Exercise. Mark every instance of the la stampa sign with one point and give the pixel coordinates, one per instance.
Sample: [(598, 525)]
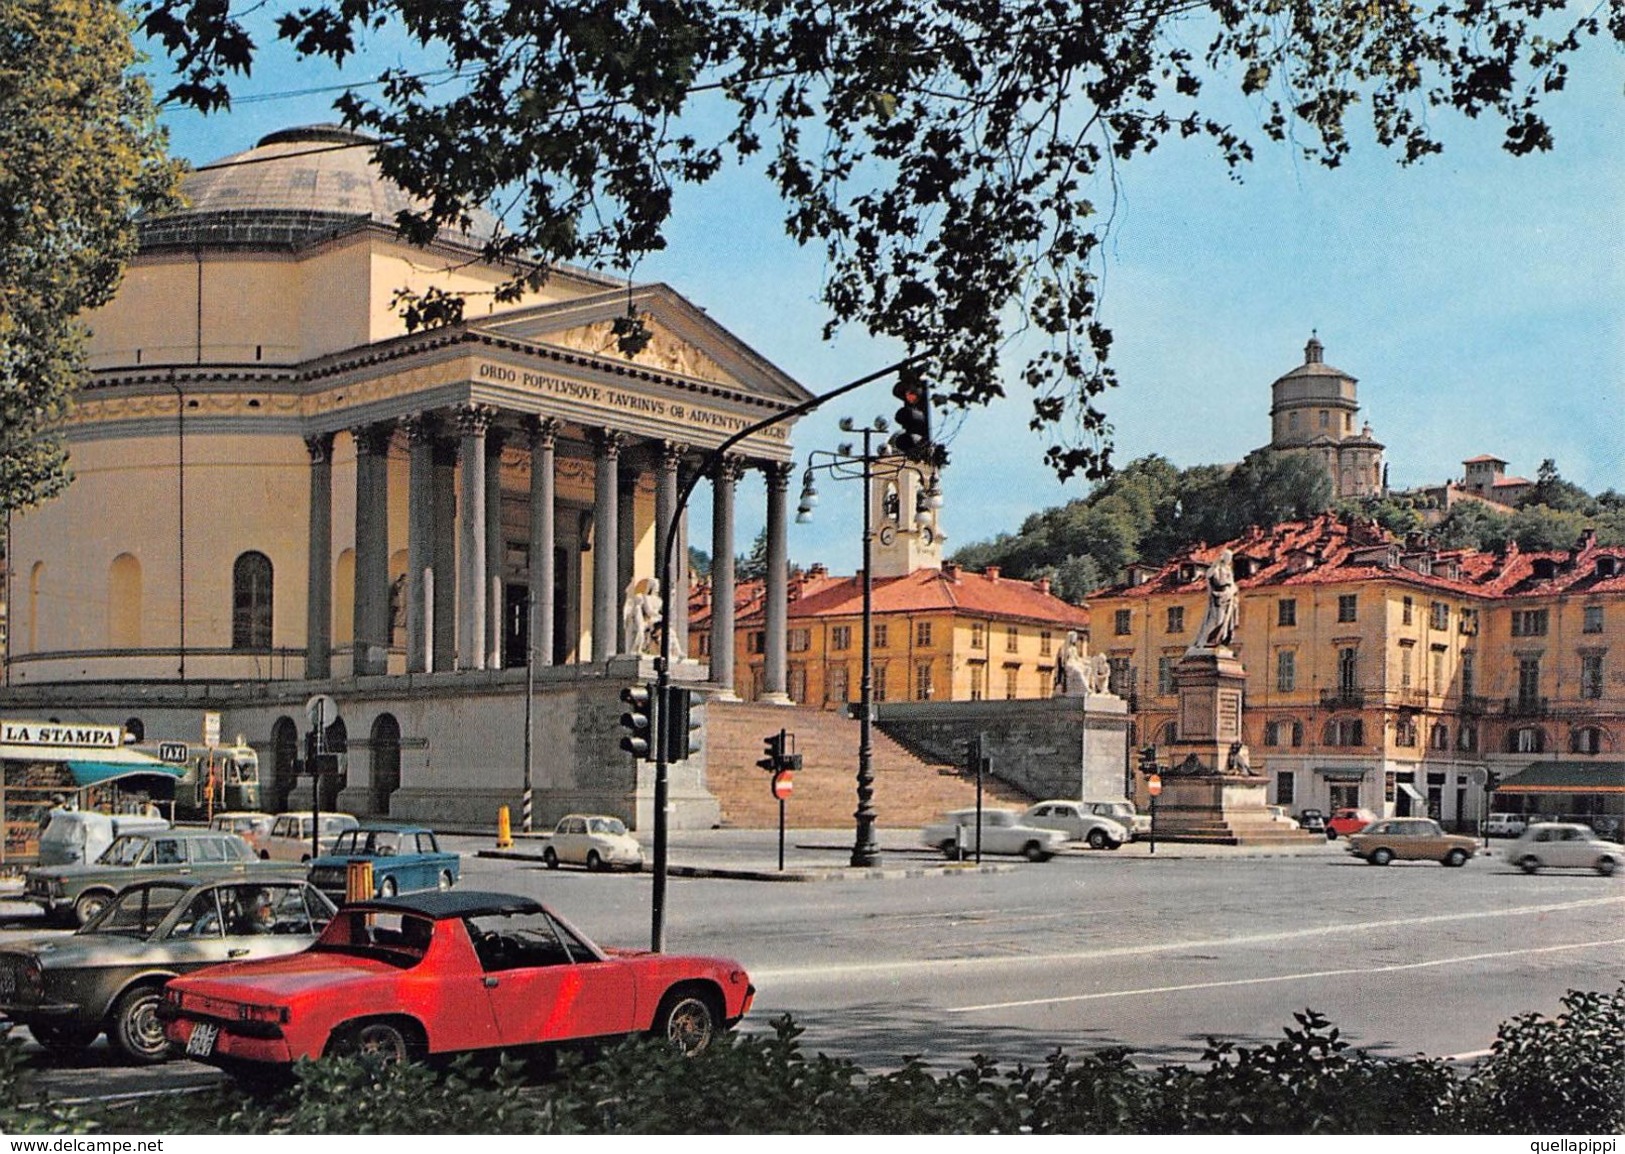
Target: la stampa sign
[(54, 735)]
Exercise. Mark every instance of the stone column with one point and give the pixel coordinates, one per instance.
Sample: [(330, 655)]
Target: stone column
[(319, 579), (776, 604), (723, 480), (372, 617), (420, 534), (677, 596), (472, 422), (544, 436), (626, 522), (493, 549), (444, 552), (606, 537), (671, 591)]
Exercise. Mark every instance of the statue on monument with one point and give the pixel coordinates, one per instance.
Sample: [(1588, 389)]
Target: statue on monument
[(1100, 674), (1219, 622), (640, 614), (1072, 673), (1240, 761)]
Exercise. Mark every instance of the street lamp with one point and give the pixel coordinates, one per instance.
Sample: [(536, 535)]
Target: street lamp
[(845, 464)]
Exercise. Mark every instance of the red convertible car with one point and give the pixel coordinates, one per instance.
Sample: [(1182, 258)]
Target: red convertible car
[(443, 972)]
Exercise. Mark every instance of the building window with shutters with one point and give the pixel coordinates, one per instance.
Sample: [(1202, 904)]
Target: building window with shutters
[(978, 635), (1439, 736), (1123, 622), (922, 681), (1405, 607), (1284, 782), (878, 681), (1405, 730), (1407, 655), (799, 641), (880, 635), (1528, 683), (1176, 619), (978, 681), (1591, 676), (1286, 671), (1529, 622), (1286, 611), (1012, 674), (1165, 676), (1592, 620), (1348, 605), (1122, 676), (840, 637), (922, 633), (1347, 669), (1046, 643), (1012, 639), (1440, 618)]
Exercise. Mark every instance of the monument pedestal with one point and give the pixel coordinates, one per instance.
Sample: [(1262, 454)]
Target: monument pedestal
[(1209, 792)]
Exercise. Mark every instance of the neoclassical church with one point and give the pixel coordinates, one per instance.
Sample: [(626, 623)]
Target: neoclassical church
[(279, 492), (1312, 410)]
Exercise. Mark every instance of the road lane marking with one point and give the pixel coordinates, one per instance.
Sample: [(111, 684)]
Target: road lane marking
[(1312, 974), (844, 972)]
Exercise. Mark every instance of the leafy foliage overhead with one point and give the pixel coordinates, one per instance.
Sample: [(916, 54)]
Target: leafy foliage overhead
[(79, 154), (942, 153)]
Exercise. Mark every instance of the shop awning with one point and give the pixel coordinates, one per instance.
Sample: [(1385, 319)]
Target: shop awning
[(96, 772), (94, 766), (1412, 792), (1567, 777), (1342, 775)]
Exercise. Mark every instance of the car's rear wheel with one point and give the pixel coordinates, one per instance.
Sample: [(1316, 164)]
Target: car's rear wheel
[(89, 904), (446, 881), (1606, 866), (1331, 834), (594, 862), (1529, 864), (550, 858), (1381, 856), (134, 1028), (1032, 851), (383, 1042), (1456, 857), (65, 1038), (690, 1020), (387, 888), (949, 848), (1097, 839)]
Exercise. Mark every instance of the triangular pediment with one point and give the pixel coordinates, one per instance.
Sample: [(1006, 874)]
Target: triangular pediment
[(684, 341)]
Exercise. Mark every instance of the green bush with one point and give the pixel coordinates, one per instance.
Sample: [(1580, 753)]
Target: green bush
[(1559, 1075)]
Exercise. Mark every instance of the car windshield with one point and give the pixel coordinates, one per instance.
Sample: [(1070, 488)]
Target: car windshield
[(127, 850), (511, 941), (136, 912), (609, 825), (378, 843), (398, 938)]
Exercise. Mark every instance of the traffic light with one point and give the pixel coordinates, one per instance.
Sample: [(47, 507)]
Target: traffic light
[(680, 725), (1148, 760), (1492, 781), (638, 721), (913, 436), (772, 758)]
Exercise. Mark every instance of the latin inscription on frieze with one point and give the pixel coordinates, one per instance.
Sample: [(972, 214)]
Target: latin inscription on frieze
[(1229, 715)]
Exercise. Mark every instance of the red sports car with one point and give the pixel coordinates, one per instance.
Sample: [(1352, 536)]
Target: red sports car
[(443, 972)]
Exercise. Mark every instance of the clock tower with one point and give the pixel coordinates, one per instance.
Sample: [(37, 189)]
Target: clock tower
[(905, 502)]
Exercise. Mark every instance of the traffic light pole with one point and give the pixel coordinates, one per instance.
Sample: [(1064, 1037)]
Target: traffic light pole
[(663, 661)]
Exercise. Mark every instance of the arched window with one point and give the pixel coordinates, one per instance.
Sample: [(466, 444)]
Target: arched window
[(386, 761), (1586, 739), (251, 602), (124, 603)]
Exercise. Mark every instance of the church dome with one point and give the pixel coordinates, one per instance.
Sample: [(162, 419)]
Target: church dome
[(297, 186)]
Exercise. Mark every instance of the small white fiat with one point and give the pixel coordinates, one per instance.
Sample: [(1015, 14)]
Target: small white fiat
[(595, 841)]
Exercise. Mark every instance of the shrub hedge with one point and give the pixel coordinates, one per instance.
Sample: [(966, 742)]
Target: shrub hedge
[(1562, 1075)]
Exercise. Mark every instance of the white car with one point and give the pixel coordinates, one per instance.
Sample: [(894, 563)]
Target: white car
[(1504, 825), (1074, 819), (1278, 813), (1563, 845), (1003, 831), (289, 839), (1124, 814), (593, 840)]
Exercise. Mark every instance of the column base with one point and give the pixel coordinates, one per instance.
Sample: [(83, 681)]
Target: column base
[(774, 699)]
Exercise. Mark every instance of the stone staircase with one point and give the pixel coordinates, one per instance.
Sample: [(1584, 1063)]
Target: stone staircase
[(908, 791)]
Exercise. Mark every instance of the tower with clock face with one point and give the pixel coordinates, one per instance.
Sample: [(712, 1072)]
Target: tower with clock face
[(906, 506)]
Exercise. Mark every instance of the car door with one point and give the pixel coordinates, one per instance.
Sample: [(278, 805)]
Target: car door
[(571, 840), (545, 985), (1565, 848)]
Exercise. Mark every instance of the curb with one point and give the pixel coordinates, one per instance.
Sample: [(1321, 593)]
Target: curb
[(799, 873)]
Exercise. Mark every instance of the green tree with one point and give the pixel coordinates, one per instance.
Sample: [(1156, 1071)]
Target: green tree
[(1552, 491), (943, 155), (1473, 525), (80, 154), (1398, 515)]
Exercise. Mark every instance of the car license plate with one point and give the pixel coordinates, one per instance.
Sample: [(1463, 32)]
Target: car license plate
[(201, 1043)]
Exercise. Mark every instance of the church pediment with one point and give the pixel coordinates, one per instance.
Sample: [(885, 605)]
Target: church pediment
[(683, 340)]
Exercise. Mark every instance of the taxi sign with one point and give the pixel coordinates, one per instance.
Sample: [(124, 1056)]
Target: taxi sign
[(783, 785), (1153, 784)]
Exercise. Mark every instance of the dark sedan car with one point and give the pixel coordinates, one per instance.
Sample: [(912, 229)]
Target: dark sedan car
[(108, 976)]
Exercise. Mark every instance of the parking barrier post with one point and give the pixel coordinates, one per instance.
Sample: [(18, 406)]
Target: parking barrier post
[(358, 881), (504, 829)]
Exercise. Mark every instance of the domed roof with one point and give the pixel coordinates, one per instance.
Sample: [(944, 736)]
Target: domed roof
[(294, 187), (1314, 365)]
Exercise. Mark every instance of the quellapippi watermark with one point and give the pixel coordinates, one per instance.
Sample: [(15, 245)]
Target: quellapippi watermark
[(1575, 1146)]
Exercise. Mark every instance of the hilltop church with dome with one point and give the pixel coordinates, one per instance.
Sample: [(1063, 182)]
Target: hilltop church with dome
[(279, 492)]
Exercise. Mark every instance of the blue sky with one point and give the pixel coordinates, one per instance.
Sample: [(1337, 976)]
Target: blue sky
[(1479, 299)]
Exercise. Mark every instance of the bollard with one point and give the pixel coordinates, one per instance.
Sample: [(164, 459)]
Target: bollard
[(504, 829), (358, 881)]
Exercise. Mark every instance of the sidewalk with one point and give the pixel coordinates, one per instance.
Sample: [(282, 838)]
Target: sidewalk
[(825, 855)]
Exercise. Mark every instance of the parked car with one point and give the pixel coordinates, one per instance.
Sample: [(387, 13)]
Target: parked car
[(1003, 831), (1505, 825), (80, 835), (250, 825), (1124, 814), (1078, 822), (1279, 814), (404, 858), (84, 888), (1312, 820), (593, 840), (1563, 845), (108, 975), (1410, 839), (1348, 820), (439, 973), (289, 839)]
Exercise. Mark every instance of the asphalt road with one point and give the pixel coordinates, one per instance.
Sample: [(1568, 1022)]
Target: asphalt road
[(1091, 950)]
